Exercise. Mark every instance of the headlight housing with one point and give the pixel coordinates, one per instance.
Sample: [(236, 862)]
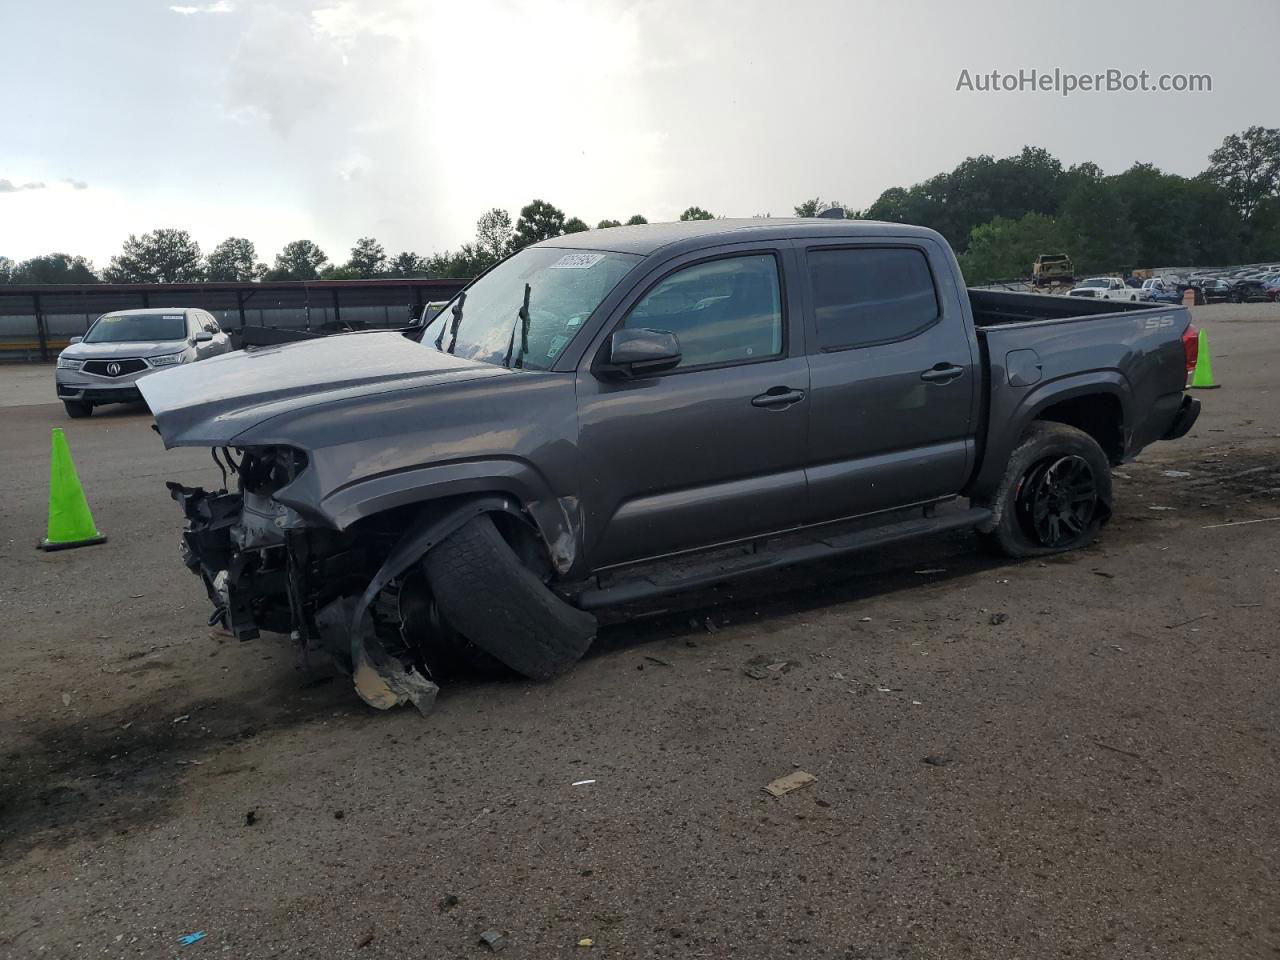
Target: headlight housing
[(66, 363), (168, 359)]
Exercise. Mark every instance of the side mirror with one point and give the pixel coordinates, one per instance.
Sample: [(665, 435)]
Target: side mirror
[(75, 339), (642, 351), (204, 336)]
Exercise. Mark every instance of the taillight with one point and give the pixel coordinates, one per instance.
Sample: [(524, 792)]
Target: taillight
[(1191, 348)]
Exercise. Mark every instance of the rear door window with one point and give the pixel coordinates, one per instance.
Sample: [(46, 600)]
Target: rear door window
[(868, 295)]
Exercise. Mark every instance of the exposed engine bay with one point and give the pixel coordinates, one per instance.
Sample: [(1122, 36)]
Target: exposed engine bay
[(265, 567), (397, 599)]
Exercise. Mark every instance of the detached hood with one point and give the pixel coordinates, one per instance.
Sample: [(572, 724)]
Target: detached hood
[(211, 402)]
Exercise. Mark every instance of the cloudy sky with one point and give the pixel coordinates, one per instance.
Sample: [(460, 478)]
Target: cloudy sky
[(334, 119)]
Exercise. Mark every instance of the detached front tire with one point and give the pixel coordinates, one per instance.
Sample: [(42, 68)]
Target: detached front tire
[(494, 600), (77, 409), (1055, 494)]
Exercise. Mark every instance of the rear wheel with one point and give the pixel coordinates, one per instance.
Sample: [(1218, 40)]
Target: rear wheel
[(1055, 494), (78, 409)]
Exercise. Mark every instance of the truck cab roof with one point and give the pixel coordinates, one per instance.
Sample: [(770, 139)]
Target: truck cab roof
[(648, 238)]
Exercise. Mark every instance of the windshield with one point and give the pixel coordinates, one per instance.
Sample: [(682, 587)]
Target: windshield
[(131, 327), (564, 287), (1096, 283)]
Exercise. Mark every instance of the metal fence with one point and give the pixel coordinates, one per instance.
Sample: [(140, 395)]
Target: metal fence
[(38, 321)]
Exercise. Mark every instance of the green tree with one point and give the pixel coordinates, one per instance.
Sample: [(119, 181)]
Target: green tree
[(696, 213), (538, 221), (51, 268), (161, 256), (493, 234), (299, 260), (1005, 249), (1247, 166), (811, 208), (575, 225), (1097, 231), (368, 259), (606, 224), (6, 270), (407, 264), (636, 220), (236, 260)]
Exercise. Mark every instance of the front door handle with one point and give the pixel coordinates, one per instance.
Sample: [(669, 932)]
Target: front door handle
[(778, 397), (942, 373)]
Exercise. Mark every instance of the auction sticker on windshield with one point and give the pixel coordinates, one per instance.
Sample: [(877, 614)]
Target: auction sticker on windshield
[(577, 261)]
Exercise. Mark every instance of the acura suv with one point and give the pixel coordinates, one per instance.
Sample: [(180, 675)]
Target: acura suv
[(105, 364)]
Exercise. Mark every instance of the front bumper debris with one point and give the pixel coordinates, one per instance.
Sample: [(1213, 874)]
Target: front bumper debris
[(264, 568)]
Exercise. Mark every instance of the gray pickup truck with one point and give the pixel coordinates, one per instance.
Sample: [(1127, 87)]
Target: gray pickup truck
[(621, 413)]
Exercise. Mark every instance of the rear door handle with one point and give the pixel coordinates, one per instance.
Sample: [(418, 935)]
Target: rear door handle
[(942, 373), (778, 397)]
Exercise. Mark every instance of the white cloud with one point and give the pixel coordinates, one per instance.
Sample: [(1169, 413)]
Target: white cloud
[(221, 6), (8, 186)]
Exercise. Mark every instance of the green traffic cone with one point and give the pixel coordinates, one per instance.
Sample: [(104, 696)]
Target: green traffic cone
[(70, 522), (1202, 378)]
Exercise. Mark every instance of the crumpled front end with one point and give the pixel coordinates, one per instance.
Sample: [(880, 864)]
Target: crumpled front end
[(266, 567)]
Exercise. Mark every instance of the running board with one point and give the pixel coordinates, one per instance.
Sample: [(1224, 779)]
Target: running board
[(790, 551)]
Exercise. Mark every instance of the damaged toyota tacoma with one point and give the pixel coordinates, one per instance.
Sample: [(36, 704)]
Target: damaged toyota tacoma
[(622, 413)]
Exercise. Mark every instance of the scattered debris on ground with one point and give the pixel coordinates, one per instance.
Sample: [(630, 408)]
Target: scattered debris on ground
[(766, 666), (495, 940), (791, 782)]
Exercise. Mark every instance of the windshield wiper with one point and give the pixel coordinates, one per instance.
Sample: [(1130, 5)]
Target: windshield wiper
[(453, 328), (522, 315)]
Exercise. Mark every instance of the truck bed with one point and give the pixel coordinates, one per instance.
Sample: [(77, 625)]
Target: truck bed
[(1033, 344), (992, 308)]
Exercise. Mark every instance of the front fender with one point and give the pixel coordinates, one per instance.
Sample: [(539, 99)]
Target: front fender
[(558, 519)]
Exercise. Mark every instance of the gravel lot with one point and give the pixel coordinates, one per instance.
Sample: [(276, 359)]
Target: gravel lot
[(1075, 758)]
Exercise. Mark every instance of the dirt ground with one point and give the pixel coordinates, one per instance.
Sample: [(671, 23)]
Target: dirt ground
[(1075, 758)]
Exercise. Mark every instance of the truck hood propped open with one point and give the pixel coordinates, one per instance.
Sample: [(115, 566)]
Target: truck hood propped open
[(212, 402)]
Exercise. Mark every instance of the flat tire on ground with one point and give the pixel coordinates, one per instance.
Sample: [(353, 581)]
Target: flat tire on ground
[(1055, 494), (489, 596)]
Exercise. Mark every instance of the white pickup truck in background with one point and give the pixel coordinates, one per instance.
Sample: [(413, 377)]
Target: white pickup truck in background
[(1107, 288)]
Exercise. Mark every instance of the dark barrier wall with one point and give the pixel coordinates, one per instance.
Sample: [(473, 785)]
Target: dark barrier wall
[(37, 321)]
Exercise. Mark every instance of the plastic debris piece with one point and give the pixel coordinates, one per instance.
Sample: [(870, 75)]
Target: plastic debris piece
[(383, 681), (495, 940), (582, 783), (586, 942), (191, 938), (792, 781)]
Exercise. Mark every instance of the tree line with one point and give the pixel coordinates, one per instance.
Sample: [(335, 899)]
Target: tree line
[(169, 255), (999, 215)]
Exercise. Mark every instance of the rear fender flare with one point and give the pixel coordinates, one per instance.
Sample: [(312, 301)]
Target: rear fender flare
[(1036, 400)]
